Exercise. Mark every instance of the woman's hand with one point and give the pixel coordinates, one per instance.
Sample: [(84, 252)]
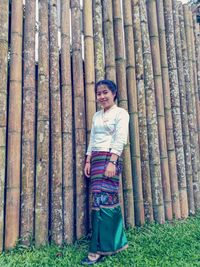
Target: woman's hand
[(110, 170), (87, 169)]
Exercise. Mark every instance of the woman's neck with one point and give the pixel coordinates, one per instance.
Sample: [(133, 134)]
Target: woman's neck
[(108, 108)]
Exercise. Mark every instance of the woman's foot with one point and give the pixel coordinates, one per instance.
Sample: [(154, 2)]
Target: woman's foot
[(92, 258)]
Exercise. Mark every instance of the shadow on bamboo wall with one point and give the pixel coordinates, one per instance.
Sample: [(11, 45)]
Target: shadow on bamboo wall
[(151, 49)]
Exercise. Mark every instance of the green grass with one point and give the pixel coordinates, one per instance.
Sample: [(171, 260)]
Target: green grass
[(173, 244)]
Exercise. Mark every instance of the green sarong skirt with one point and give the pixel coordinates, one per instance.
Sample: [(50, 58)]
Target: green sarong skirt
[(108, 236)]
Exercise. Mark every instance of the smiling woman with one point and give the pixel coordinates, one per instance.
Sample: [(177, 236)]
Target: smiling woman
[(104, 165)]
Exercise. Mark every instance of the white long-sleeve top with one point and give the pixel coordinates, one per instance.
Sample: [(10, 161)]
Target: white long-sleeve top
[(109, 131)]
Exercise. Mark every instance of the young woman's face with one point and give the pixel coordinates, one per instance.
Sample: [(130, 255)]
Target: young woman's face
[(105, 96)]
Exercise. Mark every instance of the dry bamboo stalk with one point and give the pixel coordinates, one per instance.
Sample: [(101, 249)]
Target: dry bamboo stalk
[(89, 65), (55, 126), (175, 103), (109, 45), (109, 51), (147, 195), (89, 70), (123, 102), (196, 96), (14, 128), (133, 111), (28, 126), (194, 64), (197, 50), (155, 51), (79, 118), (4, 14), (197, 54), (184, 116), (67, 136), (192, 107), (154, 151), (168, 112), (98, 40), (43, 135)]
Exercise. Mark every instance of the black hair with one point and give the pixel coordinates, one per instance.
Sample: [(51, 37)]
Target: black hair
[(110, 84)]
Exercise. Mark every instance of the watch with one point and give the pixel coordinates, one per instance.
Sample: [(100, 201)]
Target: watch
[(114, 162)]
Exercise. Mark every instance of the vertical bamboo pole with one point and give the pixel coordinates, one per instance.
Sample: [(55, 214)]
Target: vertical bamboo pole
[(109, 45), (141, 103), (133, 111), (67, 135), (154, 151), (183, 106), (89, 64), (43, 128), (193, 116), (4, 15), (168, 111), (79, 118), (194, 64), (55, 126), (98, 40), (197, 50), (28, 126), (175, 103), (123, 102), (109, 54), (89, 69), (14, 128), (155, 51)]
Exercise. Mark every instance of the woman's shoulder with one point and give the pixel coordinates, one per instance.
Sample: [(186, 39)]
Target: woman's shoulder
[(122, 112)]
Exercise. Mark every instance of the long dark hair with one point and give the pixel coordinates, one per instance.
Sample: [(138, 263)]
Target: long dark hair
[(110, 84)]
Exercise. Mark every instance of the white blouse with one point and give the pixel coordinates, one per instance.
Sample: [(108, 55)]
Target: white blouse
[(109, 130)]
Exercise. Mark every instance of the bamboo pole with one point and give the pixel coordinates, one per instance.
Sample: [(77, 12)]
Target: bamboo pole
[(196, 96), (133, 111), (4, 25), (168, 112), (156, 61), (109, 44), (154, 151), (141, 103), (123, 102), (194, 64), (197, 50), (98, 40), (43, 131), (90, 70), (183, 106), (79, 118), (197, 55), (67, 135), (109, 56), (55, 127), (14, 128), (192, 106), (175, 103), (89, 65), (28, 126)]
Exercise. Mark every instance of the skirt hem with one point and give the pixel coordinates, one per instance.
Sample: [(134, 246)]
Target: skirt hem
[(113, 252)]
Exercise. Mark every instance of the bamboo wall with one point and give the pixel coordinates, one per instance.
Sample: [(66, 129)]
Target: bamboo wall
[(152, 50)]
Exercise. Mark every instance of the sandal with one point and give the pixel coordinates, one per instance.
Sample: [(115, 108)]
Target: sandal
[(87, 261)]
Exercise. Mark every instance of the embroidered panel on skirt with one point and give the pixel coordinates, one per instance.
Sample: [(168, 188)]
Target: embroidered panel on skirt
[(105, 190)]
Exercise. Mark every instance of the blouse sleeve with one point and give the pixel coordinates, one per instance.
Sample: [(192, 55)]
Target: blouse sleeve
[(121, 133), (91, 142)]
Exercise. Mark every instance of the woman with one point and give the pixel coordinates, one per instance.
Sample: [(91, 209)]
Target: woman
[(103, 164)]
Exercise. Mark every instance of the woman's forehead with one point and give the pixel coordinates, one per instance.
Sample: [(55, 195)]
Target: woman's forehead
[(102, 87)]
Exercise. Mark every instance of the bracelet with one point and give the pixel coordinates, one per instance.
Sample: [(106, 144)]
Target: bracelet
[(87, 162), (114, 162)]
